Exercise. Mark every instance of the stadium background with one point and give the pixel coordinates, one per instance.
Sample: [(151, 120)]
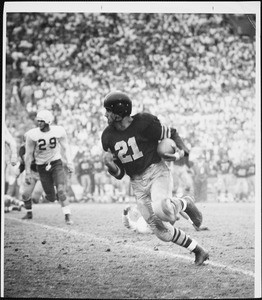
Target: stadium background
[(195, 71)]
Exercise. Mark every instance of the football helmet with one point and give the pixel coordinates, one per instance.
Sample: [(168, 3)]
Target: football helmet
[(119, 103), (44, 115)]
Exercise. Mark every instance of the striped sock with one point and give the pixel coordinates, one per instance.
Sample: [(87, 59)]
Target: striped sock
[(182, 239), (28, 204)]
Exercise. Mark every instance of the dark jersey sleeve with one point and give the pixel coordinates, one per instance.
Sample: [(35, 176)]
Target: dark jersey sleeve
[(158, 131), (179, 142), (151, 126)]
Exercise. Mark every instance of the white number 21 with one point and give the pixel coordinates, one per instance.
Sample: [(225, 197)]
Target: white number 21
[(122, 146)]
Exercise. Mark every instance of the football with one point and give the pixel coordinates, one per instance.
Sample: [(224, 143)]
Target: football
[(166, 146)]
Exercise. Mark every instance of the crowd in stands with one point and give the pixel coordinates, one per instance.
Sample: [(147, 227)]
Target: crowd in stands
[(192, 70)]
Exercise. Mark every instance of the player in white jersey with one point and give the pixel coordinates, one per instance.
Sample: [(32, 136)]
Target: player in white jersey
[(45, 144)]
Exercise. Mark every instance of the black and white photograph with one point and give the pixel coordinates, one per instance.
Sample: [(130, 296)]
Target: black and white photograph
[(131, 150)]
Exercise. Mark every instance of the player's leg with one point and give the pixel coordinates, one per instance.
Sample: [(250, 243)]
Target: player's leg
[(83, 180), (132, 219), (47, 183), (12, 203), (167, 233), (26, 192), (165, 206), (151, 206), (59, 179), (37, 192)]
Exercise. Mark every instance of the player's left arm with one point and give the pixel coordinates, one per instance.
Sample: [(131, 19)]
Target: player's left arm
[(181, 151), (66, 153), (112, 163), (159, 131)]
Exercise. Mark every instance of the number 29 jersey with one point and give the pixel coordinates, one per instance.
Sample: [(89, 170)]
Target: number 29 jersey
[(135, 147), (47, 146)]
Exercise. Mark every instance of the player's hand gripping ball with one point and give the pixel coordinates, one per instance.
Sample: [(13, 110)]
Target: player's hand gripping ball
[(168, 150)]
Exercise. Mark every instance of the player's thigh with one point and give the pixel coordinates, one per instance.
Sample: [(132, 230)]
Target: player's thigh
[(141, 191), (58, 174), (161, 193), (47, 183), (161, 187)]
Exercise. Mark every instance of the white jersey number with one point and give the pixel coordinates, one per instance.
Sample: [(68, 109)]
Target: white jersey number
[(42, 144), (122, 146)]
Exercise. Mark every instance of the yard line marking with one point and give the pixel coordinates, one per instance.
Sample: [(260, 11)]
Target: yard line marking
[(138, 248)]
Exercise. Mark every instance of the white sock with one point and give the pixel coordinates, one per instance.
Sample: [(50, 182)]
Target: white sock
[(192, 245), (184, 204), (66, 209)]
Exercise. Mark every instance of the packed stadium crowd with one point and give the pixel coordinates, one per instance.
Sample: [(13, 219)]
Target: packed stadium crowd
[(191, 70)]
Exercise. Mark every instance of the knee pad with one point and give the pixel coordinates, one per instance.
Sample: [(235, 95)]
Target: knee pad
[(167, 211), (35, 200), (26, 197), (61, 195), (28, 204)]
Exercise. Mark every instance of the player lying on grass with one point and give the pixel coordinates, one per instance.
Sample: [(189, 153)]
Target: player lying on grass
[(130, 144), (12, 203), (133, 220)]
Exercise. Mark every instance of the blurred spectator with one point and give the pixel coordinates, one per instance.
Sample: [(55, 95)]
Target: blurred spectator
[(85, 172), (224, 178)]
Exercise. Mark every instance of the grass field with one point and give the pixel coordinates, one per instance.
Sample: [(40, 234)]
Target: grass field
[(99, 258)]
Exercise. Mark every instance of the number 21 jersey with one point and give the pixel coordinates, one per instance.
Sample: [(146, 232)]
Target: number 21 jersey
[(136, 146)]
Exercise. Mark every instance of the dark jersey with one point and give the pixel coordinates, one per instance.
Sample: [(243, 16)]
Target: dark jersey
[(99, 165), (22, 164), (85, 167), (251, 169), (135, 148), (240, 170), (224, 166)]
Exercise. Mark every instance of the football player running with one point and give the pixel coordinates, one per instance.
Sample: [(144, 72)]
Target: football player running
[(45, 144), (33, 190), (130, 145)]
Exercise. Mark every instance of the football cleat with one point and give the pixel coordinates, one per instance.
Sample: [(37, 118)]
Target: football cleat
[(194, 214), (126, 210), (68, 220), (28, 216), (200, 255)]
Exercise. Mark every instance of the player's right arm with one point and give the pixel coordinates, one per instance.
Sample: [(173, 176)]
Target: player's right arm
[(113, 164), (113, 167), (29, 157)]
